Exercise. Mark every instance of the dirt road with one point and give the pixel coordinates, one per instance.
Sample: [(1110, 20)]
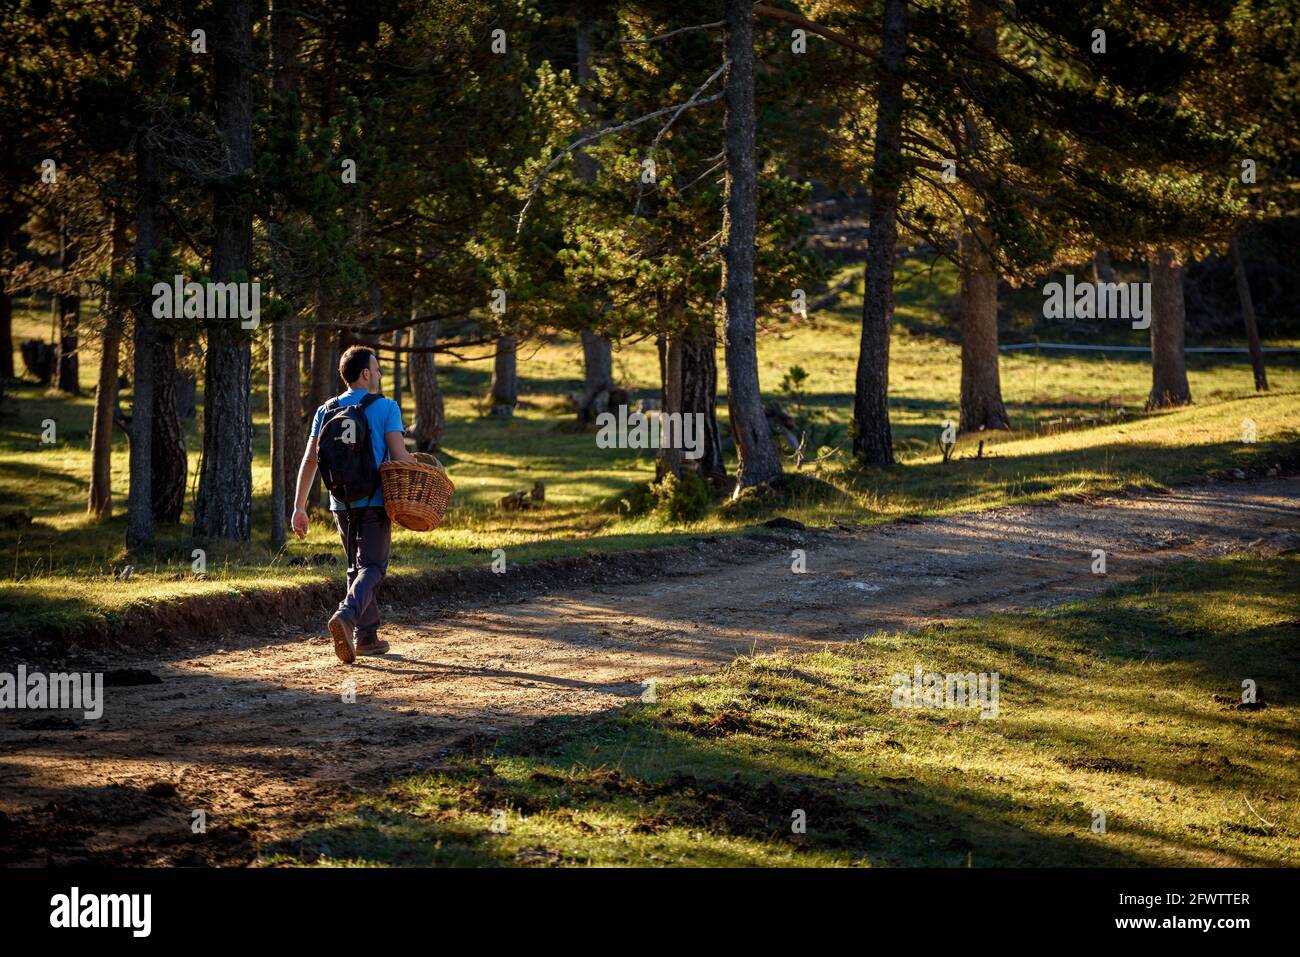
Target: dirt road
[(256, 735)]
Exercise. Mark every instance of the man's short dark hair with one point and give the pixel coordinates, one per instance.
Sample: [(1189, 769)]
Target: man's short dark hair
[(353, 361)]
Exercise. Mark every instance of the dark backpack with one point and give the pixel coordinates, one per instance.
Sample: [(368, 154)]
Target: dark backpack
[(343, 451)]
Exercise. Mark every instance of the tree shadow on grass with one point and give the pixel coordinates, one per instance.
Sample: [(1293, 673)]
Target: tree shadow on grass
[(33, 474), (670, 786), (965, 477)]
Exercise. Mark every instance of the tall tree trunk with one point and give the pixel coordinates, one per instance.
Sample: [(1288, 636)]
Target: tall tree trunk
[(1248, 316), (305, 367), (700, 394), (981, 386), (69, 380), (283, 386), (873, 441), (187, 385), (6, 331), (430, 415), (224, 505), (322, 369), (1102, 271), (392, 373), (295, 427), (99, 503), (376, 317), (67, 308), (672, 309), (598, 375), (278, 402), (597, 351), (321, 385), (151, 56), (396, 391), (505, 378), (759, 462), (1168, 323), (6, 307), (170, 464)]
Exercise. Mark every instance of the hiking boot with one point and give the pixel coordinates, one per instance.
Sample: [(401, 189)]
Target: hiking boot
[(372, 645), (345, 645)]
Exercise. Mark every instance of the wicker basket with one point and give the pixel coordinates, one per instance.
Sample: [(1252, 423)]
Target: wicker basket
[(416, 496)]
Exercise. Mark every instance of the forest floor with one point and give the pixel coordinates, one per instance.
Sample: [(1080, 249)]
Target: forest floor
[(259, 736)]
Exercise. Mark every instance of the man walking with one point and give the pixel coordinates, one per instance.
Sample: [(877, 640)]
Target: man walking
[(351, 435)]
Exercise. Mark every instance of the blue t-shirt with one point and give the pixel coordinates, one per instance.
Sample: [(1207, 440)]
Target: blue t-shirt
[(383, 416)]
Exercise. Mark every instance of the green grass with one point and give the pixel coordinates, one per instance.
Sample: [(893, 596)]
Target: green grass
[(1124, 705), (61, 569)]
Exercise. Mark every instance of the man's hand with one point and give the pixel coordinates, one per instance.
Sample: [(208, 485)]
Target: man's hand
[(300, 522)]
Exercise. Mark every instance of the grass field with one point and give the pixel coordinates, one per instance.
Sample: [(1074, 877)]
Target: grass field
[(1078, 428), (1127, 705)]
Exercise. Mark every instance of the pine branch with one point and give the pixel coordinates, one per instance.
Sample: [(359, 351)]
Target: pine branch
[(763, 10), (673, 33), (541, 177), (640, 186)]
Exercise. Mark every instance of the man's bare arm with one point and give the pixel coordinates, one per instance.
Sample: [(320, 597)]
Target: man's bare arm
[(306, 476), (396, 442)]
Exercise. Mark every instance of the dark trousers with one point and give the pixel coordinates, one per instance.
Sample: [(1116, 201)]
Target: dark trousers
[(367, 534)]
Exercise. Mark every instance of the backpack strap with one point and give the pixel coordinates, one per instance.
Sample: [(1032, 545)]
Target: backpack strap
[(364, 404), (328, 408)]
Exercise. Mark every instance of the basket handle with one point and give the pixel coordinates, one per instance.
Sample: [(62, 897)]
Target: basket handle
[(424, 458)]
